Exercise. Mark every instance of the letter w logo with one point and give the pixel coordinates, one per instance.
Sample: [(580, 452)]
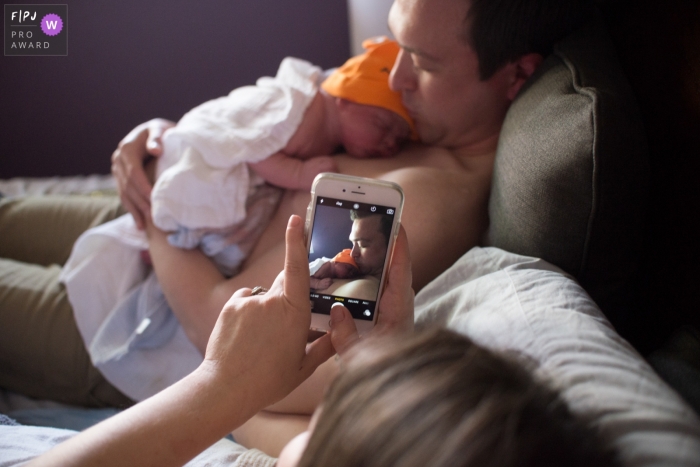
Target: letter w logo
[(51, 24)]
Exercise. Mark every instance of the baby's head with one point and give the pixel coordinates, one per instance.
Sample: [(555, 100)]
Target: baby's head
[(344, 266), (373, 120)]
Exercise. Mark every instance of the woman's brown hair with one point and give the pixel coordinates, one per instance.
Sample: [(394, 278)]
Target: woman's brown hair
[(437, 399)]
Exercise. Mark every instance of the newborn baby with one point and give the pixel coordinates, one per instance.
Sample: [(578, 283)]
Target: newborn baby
[(324, 270)]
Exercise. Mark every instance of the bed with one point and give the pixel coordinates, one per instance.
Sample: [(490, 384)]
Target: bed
[(568, 199)]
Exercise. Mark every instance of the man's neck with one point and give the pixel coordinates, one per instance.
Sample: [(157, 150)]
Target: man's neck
[(479, 151)]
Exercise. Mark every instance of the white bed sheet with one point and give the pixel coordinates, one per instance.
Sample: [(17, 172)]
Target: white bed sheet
[(509, 302)]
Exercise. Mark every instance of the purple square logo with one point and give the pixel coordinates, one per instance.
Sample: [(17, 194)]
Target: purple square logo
[(36, 30)]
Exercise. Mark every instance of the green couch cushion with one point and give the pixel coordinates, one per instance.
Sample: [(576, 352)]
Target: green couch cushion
[(571, 170)]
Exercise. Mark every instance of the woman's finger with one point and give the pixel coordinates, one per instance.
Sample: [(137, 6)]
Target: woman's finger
[(343, 330), (396, 302), (317, 352), (296, 264)]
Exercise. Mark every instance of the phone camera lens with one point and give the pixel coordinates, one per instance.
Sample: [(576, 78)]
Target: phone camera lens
[(343, 190)]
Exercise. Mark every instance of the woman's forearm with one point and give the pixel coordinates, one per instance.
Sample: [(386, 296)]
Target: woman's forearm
[(168, 429)]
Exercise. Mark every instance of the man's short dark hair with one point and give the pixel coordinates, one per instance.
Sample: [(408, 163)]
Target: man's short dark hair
[(504, 30), (385, 221)]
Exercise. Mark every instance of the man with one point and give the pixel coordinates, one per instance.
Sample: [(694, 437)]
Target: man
[(370, 238)]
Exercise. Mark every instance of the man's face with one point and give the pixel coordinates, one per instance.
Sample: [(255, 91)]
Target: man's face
[(437, 73), (368, 245)]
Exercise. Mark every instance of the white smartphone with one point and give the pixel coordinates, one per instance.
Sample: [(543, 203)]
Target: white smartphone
[(351, 228)]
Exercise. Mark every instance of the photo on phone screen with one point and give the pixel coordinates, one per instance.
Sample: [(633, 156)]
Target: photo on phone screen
[(348, 249)]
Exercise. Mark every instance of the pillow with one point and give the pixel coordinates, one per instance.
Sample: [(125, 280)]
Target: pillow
[(513, 303), (571, 170)]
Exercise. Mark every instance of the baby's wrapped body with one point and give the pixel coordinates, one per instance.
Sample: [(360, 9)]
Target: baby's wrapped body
[(205, 193)]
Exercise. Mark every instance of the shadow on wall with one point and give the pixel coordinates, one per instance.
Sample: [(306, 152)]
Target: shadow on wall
[(130, 61)]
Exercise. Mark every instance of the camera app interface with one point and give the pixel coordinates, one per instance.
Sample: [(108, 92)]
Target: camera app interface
[(349, 242)]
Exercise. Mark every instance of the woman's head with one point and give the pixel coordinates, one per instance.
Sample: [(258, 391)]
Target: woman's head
[(438, 399)]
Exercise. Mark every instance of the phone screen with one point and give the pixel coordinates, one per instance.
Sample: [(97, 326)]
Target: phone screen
[(347, 253)]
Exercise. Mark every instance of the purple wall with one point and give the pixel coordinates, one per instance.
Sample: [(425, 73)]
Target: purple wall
[(130, 61)]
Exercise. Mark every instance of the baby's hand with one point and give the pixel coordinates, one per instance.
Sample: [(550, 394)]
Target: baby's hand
[(312, 167), (288, 172), (321, 284)]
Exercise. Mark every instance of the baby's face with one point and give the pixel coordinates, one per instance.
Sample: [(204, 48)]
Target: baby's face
[(369, 131), (343, 270)]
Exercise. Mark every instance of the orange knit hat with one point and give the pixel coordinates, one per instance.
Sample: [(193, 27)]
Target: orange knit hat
[(344, 257), (364, 79)]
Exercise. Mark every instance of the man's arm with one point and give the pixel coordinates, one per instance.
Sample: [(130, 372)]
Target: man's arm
[(288, 172), (193, 286), (128, 159)]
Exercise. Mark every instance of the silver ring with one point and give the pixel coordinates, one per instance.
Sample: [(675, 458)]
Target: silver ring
[(258, 290)]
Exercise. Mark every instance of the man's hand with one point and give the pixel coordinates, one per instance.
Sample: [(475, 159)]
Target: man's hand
[(395, 305), (127, 166), (260, 341)]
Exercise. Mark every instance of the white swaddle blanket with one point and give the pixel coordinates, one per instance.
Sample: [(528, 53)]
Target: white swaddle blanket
[(205, 155)]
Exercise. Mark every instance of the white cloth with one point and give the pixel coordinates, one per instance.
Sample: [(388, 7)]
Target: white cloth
[(203, 180), (316, 264), (128, 329), (508, 302)]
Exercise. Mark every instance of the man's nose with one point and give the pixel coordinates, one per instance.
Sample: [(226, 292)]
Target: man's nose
[(402, 77), (355, 252)]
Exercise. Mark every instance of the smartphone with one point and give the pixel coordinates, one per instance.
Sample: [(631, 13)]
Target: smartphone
[(351, 227)]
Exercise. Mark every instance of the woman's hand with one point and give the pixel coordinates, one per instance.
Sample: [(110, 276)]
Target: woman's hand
[(128, 160), (261, 340), (256, 355), (395, 305)]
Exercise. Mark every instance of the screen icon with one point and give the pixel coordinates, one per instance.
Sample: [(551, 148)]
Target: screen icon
[(367, 313), (356, 206), (390, 211), (373, 208), (321, 200)]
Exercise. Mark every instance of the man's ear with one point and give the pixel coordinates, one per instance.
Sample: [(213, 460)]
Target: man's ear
[(523, 68)]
